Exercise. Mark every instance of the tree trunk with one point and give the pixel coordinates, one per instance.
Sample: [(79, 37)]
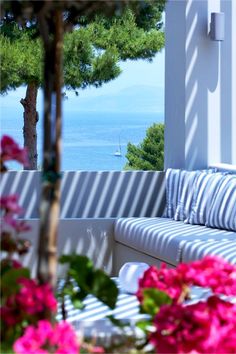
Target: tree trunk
[(30, 122), (50, 197)]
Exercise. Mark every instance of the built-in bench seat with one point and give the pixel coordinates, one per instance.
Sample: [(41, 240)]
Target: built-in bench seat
[(173, 241), (117, 217), (198, 249), (199, 220)]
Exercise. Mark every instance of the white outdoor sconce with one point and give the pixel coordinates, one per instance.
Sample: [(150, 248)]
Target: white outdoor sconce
[(217, 26)]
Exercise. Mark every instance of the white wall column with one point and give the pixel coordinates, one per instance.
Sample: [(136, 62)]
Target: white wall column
[(200, 85), (233, 82)]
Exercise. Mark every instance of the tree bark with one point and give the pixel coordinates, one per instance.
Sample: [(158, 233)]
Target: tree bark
[(30, 124), (50, 197)]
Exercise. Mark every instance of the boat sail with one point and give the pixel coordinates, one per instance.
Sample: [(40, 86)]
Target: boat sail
[(118, 151)]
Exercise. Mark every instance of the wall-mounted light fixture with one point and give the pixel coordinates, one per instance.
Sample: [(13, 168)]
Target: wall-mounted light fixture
[(217, 26)]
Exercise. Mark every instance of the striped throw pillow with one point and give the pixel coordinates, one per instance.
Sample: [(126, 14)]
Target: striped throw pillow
[(187, 182), (223, 210), (172, 187), (206, 187)]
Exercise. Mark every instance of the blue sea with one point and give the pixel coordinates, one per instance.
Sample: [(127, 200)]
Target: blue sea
[(90, 139)]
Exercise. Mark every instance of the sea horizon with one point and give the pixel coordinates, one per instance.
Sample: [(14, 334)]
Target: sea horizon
[(90, 139)]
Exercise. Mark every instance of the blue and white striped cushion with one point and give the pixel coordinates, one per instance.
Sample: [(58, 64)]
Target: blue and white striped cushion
[(172, 187), (187, 184), (206, 187), (223, 210)]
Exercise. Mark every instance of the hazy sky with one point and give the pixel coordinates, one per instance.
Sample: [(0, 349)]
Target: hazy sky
[(134, 73), (139, 72)]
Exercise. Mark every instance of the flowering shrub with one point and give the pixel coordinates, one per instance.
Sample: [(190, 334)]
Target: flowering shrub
[(212, 272), (10, 150), (205, 327), (31, 300), (167, 280), (45, 337), (28, 308)]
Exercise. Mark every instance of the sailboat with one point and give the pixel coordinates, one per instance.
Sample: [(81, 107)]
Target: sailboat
[(118, 151)]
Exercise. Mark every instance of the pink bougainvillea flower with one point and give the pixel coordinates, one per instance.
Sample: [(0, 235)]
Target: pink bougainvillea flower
[(9, 314), (164, 279), (211, 271), (97, 350), (204, 327), (65, 338), (45, 339), (10, 204), (9, 263), (9, 219), (34, 298), (11, 207), (21, 226), (18, 225), (10, 150)]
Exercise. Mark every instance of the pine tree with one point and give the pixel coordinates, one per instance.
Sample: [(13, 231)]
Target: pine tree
[(53, 18), (92, 54), (149, 154)]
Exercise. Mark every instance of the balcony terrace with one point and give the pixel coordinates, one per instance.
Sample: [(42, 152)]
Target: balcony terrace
[(200, 130), (102, 213)]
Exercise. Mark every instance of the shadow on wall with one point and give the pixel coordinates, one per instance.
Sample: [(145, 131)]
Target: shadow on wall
[(106, 194), (26, 184), (90, 237), (89, 203), (226, 124), (200, 52)]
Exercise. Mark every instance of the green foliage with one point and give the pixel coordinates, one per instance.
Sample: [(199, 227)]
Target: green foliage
[(149, 15), (9, 281), (149, 154), (83, 64), (21, 58), (92, 52), (77, 12), (127, 38), (84, 279), (153, 299)]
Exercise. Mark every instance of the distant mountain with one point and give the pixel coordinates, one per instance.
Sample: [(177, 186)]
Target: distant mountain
[(132, 99)]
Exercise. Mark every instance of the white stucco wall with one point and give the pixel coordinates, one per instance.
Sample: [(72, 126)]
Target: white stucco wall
[(200, 85)]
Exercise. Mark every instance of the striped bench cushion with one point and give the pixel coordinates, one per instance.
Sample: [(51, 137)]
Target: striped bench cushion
[(180, 187), (222, 213), (172, 187), (164, 238), (197, 250), (206, 187), (187, 182)]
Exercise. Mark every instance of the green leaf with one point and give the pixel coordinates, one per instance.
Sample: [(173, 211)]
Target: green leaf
[(144, 325), (153, 299), (67, 290), (9, 280), (116, 322), (80, 269), (104, 288), (64, 259), (88, 280), (77, 303)]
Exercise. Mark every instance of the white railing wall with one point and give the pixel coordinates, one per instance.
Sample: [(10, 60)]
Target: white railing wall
[(90, 202), (105, 194)]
